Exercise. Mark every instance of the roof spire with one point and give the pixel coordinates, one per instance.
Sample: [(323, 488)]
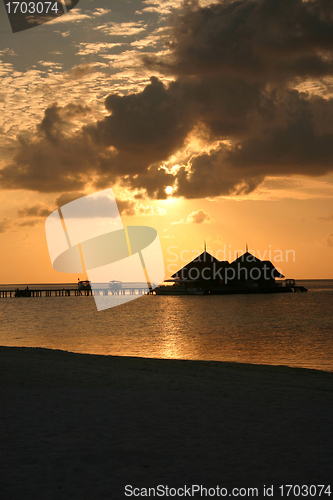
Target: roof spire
[(247, 248), (205, 247)]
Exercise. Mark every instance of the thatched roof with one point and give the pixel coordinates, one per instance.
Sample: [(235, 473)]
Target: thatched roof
[(249, 261), (205, 266)]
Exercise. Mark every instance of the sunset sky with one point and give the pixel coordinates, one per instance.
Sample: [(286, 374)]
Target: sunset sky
[(230, 103)]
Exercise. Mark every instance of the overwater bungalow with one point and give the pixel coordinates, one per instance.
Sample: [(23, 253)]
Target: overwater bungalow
[(246, 274)]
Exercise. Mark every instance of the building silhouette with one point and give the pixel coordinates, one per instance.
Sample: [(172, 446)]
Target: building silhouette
[(245, 274)]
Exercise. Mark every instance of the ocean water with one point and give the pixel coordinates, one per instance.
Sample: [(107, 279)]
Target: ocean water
[(293, 329)]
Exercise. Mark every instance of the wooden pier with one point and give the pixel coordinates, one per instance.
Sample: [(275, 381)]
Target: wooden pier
[(71, 292)]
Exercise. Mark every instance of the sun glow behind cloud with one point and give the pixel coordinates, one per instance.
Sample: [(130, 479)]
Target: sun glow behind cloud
[(199, 126)]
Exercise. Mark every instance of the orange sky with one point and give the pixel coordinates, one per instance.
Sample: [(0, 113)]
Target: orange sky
[(247, 151)]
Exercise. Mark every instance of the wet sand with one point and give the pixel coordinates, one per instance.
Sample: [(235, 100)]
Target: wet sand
[(83, 427)]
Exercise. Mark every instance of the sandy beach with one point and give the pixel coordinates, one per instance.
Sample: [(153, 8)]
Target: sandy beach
[(83, 426)]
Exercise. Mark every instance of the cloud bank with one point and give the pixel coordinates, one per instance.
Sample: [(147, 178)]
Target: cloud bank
[(237, 67)]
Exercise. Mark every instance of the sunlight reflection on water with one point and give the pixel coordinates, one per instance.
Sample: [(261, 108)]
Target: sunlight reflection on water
[(288, 329)]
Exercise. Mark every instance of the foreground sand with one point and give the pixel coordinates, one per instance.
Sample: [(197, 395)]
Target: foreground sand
[(82, 426)]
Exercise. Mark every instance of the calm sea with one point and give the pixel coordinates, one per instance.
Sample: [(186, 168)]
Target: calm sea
[(294, 329)]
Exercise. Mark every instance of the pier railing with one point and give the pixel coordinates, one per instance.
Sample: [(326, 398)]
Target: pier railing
[(69, 289)]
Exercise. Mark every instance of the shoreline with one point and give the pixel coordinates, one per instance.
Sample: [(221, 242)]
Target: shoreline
[(85, 426), (201, 362), (49, 360)]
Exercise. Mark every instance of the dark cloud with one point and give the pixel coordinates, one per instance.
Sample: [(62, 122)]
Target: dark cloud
[(34, 211), (211, 175), (56, 120), (289, 143), (328, 241), (9, 224), (251, 39), (46, 167), (56, 158), (145, 128), (329, 218), (126, 207), (236, 65), (5, 224), (65, 198), (29, 223)]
